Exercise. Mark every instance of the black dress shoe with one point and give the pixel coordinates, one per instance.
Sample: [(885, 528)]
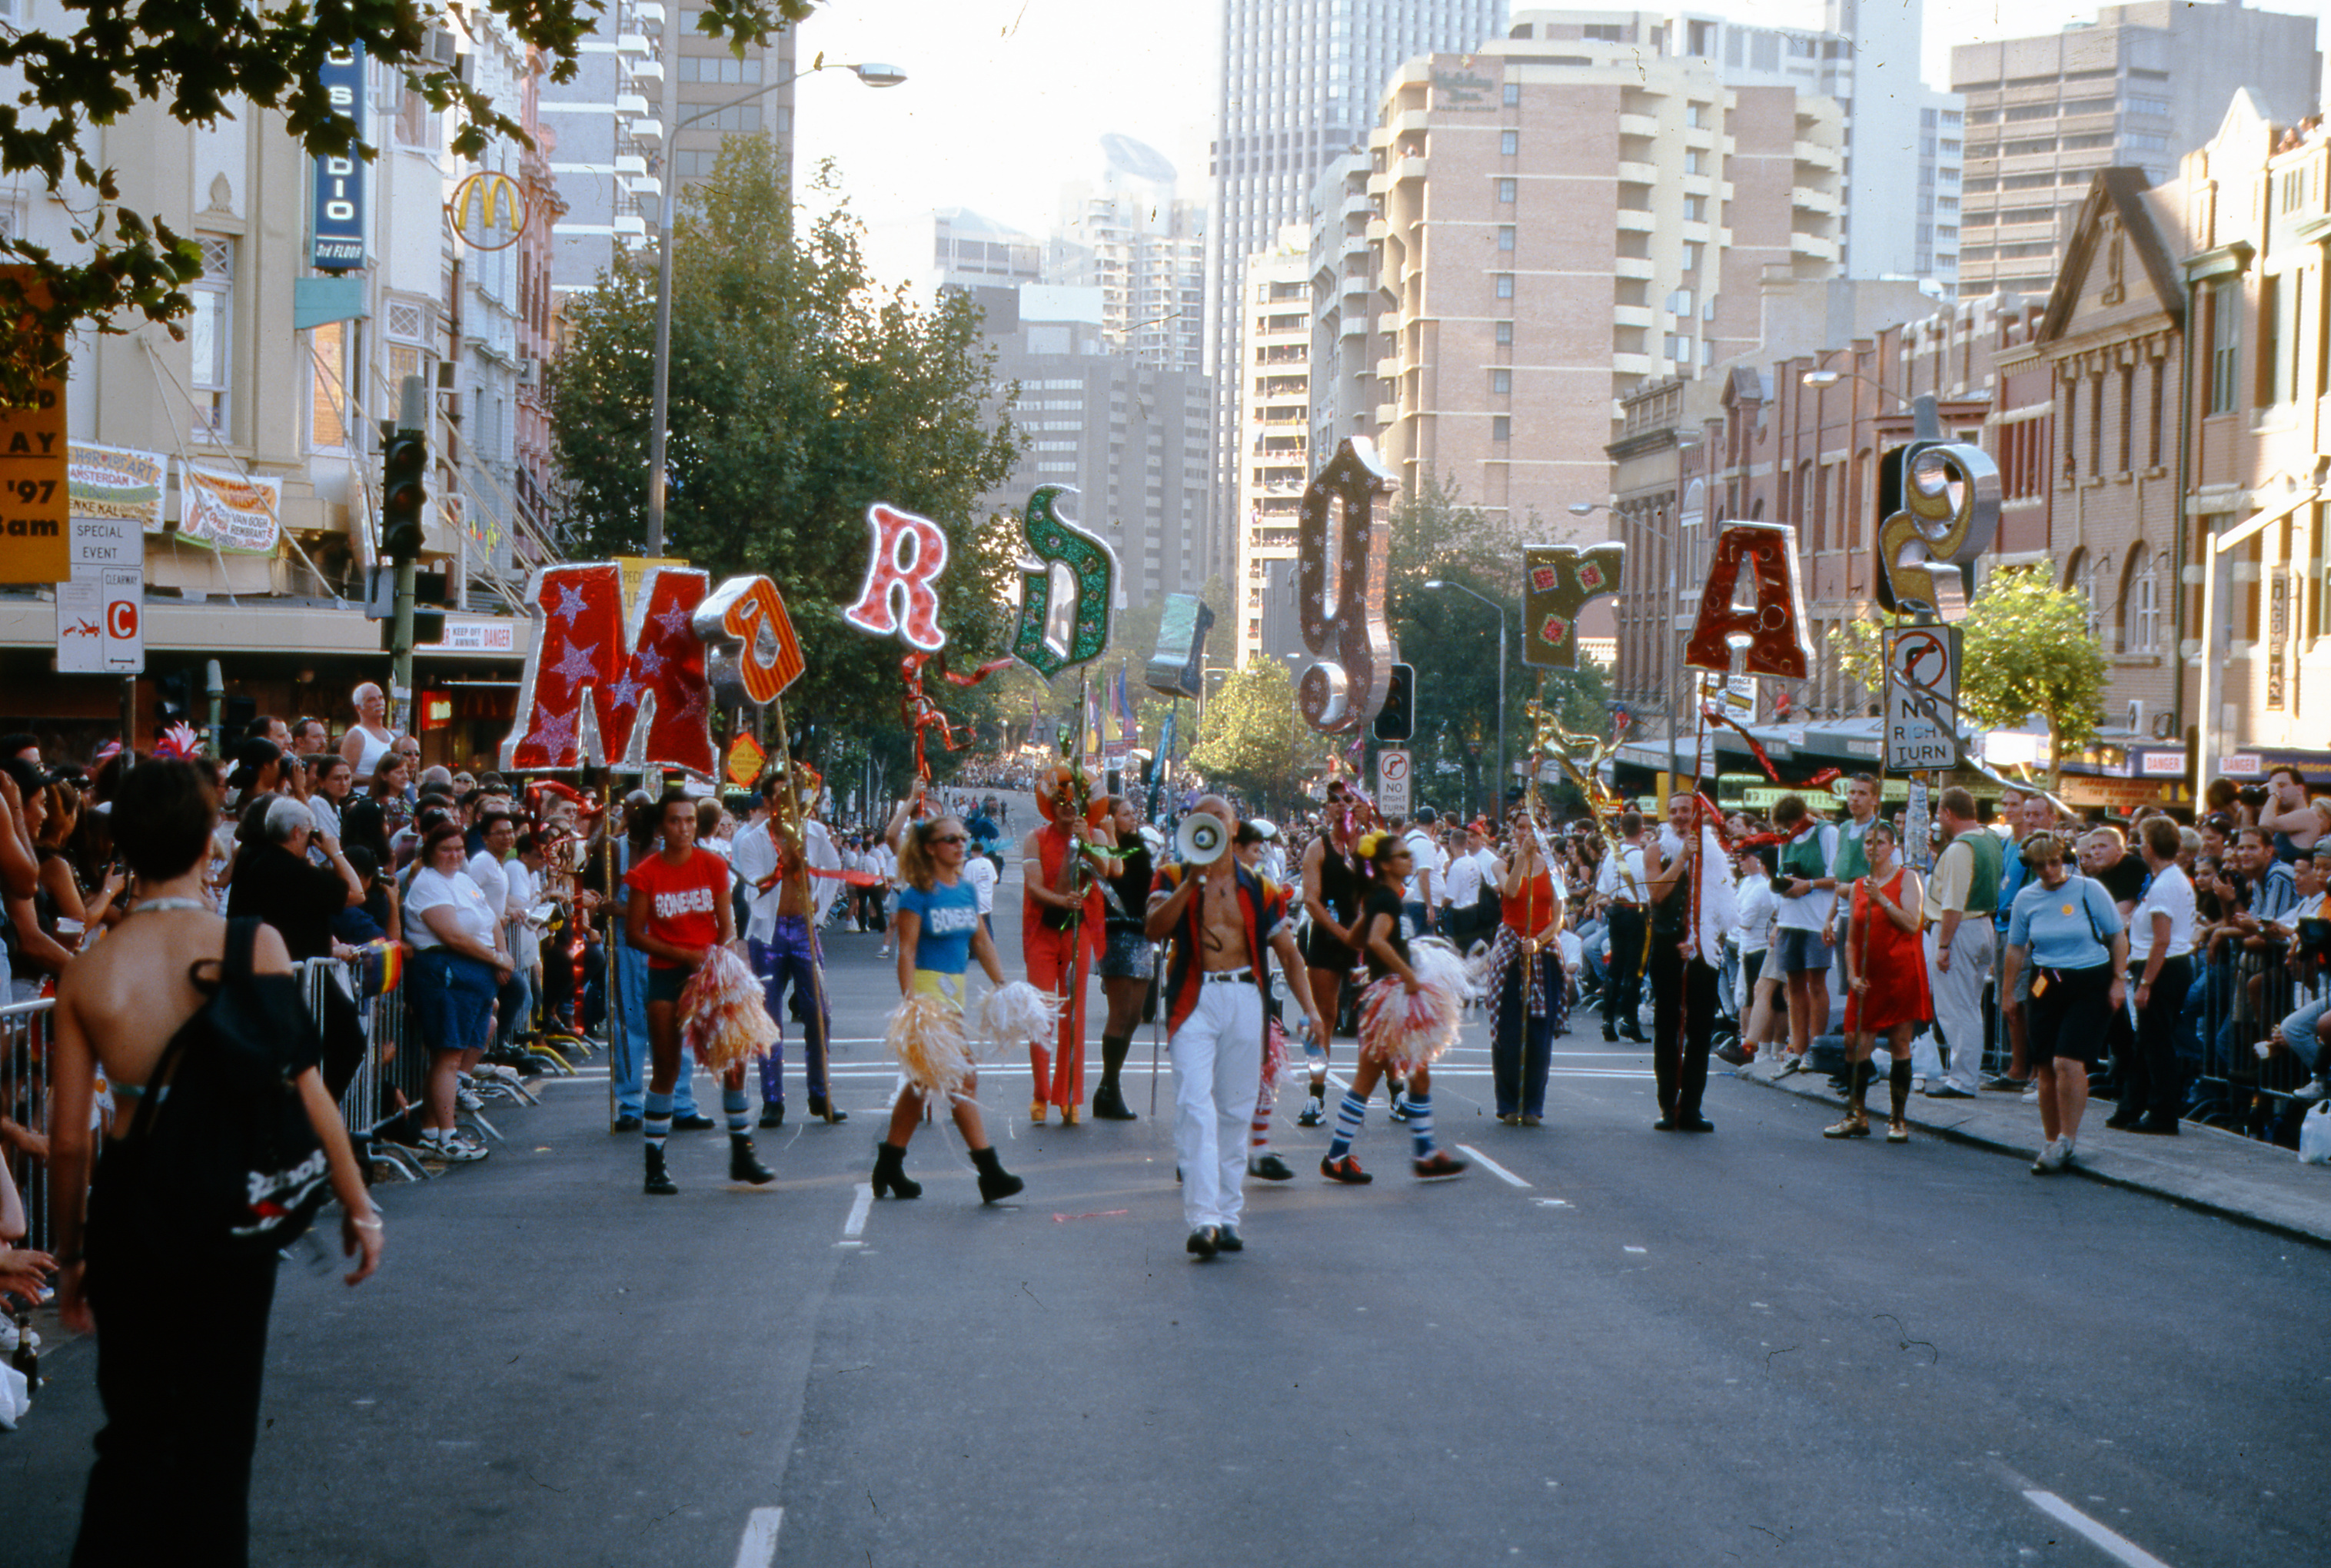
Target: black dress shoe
[(2121, 1121), (1696, 1124), (1227, 1239), (699, 1123), (772, 1114), (1664, 1125), (625, 1125), (1609, 1034), (1270, 1168), (1204, 1241), (826, 1111), (2162, 1127)]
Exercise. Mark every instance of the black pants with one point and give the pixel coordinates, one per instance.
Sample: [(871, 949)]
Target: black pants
[(1622, 986), (180, 1349), (2150, 1081), (1679, 1045), (1521, 1048)]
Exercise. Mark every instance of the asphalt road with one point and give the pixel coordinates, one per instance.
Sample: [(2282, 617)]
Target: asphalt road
[(1628, 1348)]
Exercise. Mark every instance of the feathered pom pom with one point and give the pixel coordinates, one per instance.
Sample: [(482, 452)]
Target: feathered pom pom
[(1274, 1051), (926, 1034), (1017, 1014), (723, 1019), (1405, 1033)]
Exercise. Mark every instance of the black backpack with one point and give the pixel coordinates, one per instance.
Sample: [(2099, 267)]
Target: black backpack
[(221, 1154)]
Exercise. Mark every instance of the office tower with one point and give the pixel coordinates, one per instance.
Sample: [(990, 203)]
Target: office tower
[(1561, 221), (1132, 438), (2140, 86), (1903, 150), (969, 250), (1299, 85)]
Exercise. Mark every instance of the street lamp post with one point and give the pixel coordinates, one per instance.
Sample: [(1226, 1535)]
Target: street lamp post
[(1496, 796), (660, 412)]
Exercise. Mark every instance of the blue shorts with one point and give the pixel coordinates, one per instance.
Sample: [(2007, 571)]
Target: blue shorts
[(453, 999), (1799, 951)]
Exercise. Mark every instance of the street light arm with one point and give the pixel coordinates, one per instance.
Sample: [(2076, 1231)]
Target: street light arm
[(871, 75)]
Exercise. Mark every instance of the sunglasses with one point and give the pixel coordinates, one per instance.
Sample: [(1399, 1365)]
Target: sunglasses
[(949, 839)]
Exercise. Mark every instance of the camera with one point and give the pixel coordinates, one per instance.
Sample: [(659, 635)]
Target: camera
[(2252, 794)]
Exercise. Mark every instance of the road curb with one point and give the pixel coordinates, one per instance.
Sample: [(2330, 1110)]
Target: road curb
[(2109, 1166)]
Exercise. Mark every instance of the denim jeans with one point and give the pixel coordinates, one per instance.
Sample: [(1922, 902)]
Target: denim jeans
[(789, 959), (627, 1040)]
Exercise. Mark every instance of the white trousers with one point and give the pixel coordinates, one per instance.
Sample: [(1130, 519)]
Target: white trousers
[(1217, 1071), (1958, 996)]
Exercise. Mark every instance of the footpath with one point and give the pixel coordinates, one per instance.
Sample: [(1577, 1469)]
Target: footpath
[(2206, 1168)]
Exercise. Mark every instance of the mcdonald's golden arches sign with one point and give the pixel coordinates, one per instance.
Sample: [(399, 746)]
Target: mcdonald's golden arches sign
[(489, 211)]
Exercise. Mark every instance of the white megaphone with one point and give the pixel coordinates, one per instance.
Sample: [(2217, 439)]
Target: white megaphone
[(1201, 838)]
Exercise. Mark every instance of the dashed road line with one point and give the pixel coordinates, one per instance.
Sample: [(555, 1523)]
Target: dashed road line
[(2111, 1541), (1491, 1165)]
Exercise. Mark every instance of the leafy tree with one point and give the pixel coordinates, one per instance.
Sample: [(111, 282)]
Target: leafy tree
[(800, 393), (203, 63), (2024, 649), (1252, 739)]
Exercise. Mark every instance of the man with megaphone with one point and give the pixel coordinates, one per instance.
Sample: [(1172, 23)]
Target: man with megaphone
[(1219, 916)]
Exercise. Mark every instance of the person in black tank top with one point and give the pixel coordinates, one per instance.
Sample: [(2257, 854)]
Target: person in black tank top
[(1388, 862), (1331, 896)]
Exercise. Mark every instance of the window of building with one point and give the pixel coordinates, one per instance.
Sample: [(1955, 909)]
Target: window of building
[(1504, 285), (2096, 425), (209, 336), (1501, 427), (1695, 209), (2128, 413), (2225, 342), (2071, 424), (723, 68), (743, 116), (2156, 108), (1501, 381), (1950, 117), (1510, 142), (2153, 415), (328, 426), (1505, 334), (1506, 237), (1695, 115), (1513, 93), (1506, 190)]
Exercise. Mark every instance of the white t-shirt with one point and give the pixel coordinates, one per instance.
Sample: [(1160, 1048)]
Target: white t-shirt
[(1754, 902), (1574, 950), (1715, 890), (1632, 886), (1463, 884), (1812, 912), (493, 881), (1427, 869), (525, 888), (432, 889), (980, 872), (2172, 894)]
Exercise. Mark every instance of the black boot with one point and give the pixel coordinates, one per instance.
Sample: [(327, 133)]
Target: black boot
[(890, 1174), (773, 1114), (743, 1165), (659, 1183), (1109, 1099), (826, 1110), (994, 1180)]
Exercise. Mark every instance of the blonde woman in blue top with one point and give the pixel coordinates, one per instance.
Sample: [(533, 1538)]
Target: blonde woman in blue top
[(938, 933), (2065, 929)]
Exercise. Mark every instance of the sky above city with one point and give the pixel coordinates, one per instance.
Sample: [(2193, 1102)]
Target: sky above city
[(1006, 100)]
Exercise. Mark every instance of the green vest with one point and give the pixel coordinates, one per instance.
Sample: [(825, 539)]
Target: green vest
[(1801, 857), (1990, 860), (1850, 860)]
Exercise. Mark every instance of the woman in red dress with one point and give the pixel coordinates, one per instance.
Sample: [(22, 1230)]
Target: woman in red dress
[(1886, 983)]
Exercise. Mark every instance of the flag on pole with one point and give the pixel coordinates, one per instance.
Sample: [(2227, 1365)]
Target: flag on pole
[(1129, 726)]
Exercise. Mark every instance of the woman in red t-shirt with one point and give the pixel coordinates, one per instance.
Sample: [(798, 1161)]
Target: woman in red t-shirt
[(679, 909)]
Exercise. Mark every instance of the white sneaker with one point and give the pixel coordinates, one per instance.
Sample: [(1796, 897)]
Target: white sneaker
[(2059, 1153), (2032, 1094), (2313, 1089), (468, 1101), (455, 1150)]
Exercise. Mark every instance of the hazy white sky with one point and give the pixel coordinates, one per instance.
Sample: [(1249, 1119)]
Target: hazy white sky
[(1006, 99)]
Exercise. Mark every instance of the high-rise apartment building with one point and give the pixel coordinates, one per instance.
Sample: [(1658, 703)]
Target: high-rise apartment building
[(1274, 430), (1133, 439), (604, 134), (705, 76), (1144, 248), (1903, 142), (2140, 86), (969, 250), (1300, 84), (1559, 222)]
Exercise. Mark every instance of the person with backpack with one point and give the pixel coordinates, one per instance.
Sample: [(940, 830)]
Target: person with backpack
[(2066, 931), (170, 1261)]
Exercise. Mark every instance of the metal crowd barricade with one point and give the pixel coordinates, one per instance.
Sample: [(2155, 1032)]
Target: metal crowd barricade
[(390, 1078), (2240, 998), (25, 1101)]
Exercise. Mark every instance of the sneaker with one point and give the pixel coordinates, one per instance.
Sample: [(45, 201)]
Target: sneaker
[(1443, 1167), (2053, 1157), (2000, 1083), (468, 1101), (1948, 1092), (2313, 1089), (1346, 1171), (1311, 1115), (453, 1151), (1269, 1168), (1790, 1064), (1399, 1112), (2032, 1094), (1730, 1051)]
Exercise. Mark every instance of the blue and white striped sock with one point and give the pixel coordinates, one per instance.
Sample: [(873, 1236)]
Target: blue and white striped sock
[(1349, 1116), (1419, 1123), (655, 1124), (739, 1108)]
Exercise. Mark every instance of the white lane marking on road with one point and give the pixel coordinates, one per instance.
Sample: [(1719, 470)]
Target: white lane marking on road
[(759, 1548), (1639, 1248), (1491, 1165), (860, 1206), (2120, 1547), (1551, 1202)]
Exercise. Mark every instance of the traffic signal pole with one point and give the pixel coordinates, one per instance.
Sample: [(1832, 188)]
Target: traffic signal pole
[(403, 495)]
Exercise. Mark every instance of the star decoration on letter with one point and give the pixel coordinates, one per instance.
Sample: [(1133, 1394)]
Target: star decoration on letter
[(625, 693), (577, 664), (673, 621), (648, 661), (557, 733), (571, 604)]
